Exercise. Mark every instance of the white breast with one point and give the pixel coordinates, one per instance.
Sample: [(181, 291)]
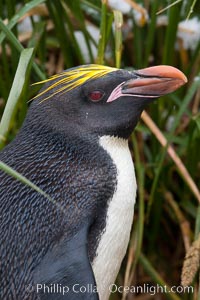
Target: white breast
[(114, 241)]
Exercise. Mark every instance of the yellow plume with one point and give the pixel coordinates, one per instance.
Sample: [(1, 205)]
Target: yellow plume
[(73, 78)]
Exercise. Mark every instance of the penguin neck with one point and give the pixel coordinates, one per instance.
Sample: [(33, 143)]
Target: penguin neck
[(39, 132)]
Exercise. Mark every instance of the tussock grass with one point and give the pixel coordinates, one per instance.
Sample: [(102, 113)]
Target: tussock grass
[(165, 145)]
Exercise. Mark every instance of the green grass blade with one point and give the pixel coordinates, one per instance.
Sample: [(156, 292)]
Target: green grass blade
[(170, 39), (76, 9), (157, 278), (179, 114), (59, 18), (20, 80), (191, 9), (91, 5), (137, 45), (140, 179), (151, 32), (14, 41), (11, 4), (118, 18), (188, 97), (197, 225), (102, 37), (28, 6)]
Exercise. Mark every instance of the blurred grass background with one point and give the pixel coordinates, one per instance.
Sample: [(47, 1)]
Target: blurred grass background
[(40, 38)]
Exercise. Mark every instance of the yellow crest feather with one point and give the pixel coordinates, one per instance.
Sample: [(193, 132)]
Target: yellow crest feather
[(73, 78)]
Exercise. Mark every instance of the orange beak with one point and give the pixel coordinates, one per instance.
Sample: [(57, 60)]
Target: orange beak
[(154, 82)]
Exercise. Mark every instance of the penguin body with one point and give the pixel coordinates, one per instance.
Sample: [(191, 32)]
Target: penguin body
[(41, 221), (73, 145)]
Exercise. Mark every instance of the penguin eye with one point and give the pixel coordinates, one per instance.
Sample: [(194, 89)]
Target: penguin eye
[(96, 96)]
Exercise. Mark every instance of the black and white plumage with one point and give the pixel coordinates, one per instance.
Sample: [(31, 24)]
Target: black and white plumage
[(74, 146)]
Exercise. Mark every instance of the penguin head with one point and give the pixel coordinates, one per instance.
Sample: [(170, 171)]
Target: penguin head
[(99, 100)]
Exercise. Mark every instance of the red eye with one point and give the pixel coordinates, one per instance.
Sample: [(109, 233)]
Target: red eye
[(96, 96)]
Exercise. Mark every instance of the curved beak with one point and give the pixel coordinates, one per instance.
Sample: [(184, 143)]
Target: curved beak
[(154, 82)]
